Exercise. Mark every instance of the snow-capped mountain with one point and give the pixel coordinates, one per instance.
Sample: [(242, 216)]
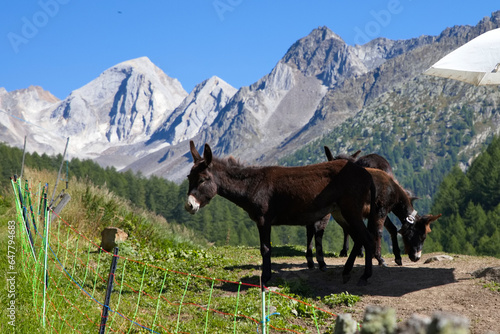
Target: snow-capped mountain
[(196, 112), (123, 106), (19, 117)]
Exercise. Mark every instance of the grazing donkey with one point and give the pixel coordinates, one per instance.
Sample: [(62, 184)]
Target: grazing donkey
[(371, 160), (276, 195), (316, 231), (390, 196)]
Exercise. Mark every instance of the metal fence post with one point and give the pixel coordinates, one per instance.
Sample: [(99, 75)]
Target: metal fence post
[(105, 306)]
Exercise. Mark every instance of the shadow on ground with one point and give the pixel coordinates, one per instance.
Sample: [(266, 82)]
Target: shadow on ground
[(393, 281)]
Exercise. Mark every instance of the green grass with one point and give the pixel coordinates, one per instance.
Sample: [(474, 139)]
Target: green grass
[(343, 298), (493, 286)]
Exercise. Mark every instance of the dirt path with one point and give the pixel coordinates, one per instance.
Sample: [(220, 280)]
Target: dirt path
[(420, 287)]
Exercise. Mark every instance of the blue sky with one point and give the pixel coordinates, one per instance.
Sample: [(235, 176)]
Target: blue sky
[(62, 45)]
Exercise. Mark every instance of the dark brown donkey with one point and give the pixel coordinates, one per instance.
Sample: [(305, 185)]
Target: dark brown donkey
[(390, 196), (371, 160), (316, 231), (289, 196)]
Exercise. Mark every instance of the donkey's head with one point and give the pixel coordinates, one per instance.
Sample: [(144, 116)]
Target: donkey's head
[(202, 187), (414, 231), (330, 156)]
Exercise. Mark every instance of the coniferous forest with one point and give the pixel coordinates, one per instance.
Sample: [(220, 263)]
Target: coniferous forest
[(469, 202)]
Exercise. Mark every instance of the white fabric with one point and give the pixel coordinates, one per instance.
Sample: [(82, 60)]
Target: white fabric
[(475, 62)]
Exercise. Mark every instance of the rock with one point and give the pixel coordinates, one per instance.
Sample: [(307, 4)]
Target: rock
[(491, 273), (111, 237), (439, 258), (379, 320), (445, 323), (416, 324), (345, 324)]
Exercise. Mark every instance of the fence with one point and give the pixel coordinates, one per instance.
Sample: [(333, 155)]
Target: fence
[(69, 274)]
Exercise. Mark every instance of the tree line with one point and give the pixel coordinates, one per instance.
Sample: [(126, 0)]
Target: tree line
[(469, 202), (221, 222)]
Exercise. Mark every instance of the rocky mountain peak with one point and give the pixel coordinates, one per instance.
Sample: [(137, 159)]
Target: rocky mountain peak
[(325, 55), (196, 112), (124, 105), (27, 101)]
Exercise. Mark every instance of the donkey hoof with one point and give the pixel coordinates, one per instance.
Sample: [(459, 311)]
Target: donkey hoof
[(398, 262), (310, 265), (346, 278), (362, 282), (322, 268)]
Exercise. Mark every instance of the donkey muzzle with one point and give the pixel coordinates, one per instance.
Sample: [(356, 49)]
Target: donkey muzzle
[(415, 257), (192, 206)]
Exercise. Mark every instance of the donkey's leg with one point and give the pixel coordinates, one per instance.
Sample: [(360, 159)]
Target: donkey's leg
[(377, 232), (310, 229), (346, 273), (369, 244), (366, 237), (337, 215), (393, 231), (360, 253), (265, 251), (345, 245), (319, 230)]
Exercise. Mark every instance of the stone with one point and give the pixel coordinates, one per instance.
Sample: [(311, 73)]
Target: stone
[(111, 237), (446, 323), (439, 258), (345, 324), (416, 324), (379, 320), (490, 273)]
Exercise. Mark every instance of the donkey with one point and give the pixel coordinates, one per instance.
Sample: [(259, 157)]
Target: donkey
[(390, 196), (316, 231), (276, 195), (371, 160)]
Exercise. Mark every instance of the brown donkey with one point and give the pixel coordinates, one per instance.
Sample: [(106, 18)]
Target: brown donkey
[(391, 197), (289, 196), (316, 231)]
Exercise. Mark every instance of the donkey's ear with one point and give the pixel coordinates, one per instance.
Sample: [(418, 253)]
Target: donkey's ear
[(194, 152), (207, 154), (434, 218), (328, 153), (355, 155), (429, 221)]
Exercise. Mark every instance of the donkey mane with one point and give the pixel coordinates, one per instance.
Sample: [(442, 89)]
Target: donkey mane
[(235, 169)]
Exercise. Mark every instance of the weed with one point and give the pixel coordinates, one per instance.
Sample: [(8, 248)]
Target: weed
[(493, 286), (343, 298)]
